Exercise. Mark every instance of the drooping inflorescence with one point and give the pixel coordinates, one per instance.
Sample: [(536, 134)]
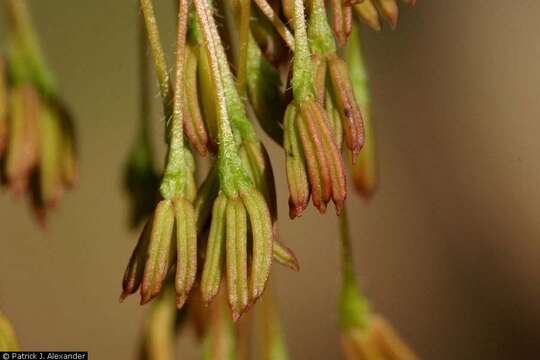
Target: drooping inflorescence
[(280, 64), (37, 135)]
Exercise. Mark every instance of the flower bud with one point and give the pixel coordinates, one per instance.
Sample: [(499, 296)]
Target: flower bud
[(135, 268), (285, 256), (367, 12), (207, 96), (334, 117), (236, 249), (186, 249), (299, 190), (50, 176), (194, 127), (346, 104), (8, 339), (377, 341), (261, 231), (161, 251), (341, 21), (320, 145), (22, 154), (389, 10), (213, 262), (69, 168)]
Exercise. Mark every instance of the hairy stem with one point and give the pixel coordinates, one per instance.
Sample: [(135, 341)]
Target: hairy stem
[(244, 31), (227, 153), (158, 55), (176, 164), (280, 27), (302, 81), (20, 19)]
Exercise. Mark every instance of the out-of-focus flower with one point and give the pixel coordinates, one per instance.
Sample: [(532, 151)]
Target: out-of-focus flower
[(364, 169), (219, 342), (272, 339), (158, 336), (37, 135), (370, 12), (8, 339), (364, 335)]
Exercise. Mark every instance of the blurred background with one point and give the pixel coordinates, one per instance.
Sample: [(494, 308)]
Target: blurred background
[(448, 249)]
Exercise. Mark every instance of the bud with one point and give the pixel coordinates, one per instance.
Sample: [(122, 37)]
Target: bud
[(50, 175), (285, 256), (206, 93), (22, 152), (8, 339), (236, 249), (299, 190), (390, 11), (345, 102), (367, 12), (324, 162), (377, 341), (135, 268), (161, 251), (69, 168), (194, 127), (261, 232), (341, 21), (213, 263), (186, 249)]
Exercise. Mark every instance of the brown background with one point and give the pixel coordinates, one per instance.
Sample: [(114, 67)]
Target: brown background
[(448, 250)]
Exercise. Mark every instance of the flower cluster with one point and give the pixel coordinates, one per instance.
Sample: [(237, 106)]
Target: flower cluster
[(282, 66), (37, 139)]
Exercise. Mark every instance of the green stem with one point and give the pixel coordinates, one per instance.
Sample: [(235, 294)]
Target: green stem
[(354, 306), (347, 261), (235, 106), (245, 13), (302, 81), (173, 183), (229, 162), (158, 55), (357, 68), (321, 38), (144, 95), (26, 37)]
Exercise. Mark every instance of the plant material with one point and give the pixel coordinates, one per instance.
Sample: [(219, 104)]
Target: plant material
[(364, 169), (37, 136), (371, 11), (8, 339), (365, 335)]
